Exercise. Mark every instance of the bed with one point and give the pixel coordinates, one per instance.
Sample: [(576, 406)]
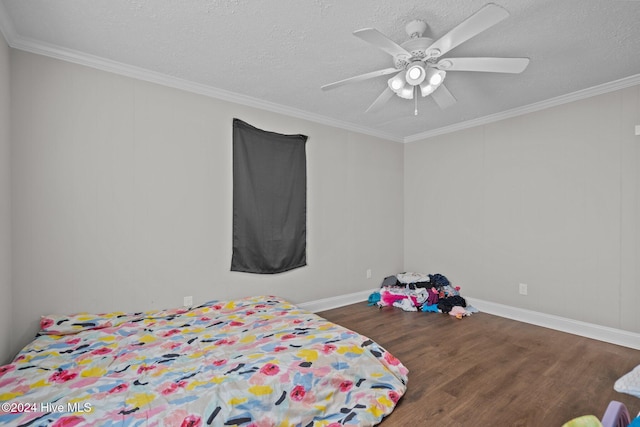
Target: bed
[(257, 361)]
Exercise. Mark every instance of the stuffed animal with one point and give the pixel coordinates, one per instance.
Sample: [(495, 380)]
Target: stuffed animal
[(458, 312)]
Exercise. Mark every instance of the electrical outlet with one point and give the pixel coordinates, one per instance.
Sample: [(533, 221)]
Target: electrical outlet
[(523, 289), (188, 301), (368, 273)]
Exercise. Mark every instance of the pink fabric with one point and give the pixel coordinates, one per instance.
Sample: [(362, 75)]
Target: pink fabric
[(388, 298)]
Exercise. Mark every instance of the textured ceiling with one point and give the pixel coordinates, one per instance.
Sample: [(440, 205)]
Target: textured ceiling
[(277, 53)]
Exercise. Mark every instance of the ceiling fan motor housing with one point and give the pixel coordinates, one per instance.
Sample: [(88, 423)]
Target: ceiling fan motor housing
[(415, 28), (417, 48)]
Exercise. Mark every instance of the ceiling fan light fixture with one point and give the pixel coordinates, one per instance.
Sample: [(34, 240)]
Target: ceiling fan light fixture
[(435, 77), (416, 73), (426, 89), (406, 92), (396, 83)]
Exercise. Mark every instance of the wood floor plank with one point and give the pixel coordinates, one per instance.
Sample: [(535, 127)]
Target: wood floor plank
[(485, 370)]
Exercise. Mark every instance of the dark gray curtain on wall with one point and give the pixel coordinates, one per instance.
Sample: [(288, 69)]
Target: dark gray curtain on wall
[(269, 200)]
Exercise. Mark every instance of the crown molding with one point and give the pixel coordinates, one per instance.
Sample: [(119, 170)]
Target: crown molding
[(22, 43), (563, 99)]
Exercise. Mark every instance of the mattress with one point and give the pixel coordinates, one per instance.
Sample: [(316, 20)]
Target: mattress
[(258, 361)]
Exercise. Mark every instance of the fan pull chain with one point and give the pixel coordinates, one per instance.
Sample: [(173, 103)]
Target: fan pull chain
[(415, 97)]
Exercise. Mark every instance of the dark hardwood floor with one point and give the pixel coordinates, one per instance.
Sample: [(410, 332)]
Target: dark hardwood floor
[(485, 370)]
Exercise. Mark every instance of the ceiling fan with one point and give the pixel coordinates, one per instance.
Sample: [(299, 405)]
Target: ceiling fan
[(419, 66)]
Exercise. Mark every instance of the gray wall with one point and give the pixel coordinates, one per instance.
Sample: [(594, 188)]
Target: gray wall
[(122, 194), (5, 208), (121, 200), (549, 199)]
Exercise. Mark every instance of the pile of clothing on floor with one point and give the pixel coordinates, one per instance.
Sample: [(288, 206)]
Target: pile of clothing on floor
[(421, 292)]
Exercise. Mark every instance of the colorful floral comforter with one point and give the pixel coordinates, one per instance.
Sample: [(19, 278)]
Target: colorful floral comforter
[(257, 361)]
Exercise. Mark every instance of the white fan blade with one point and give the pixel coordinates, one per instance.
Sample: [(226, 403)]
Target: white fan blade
[(443, 97), (380, 100), (360, 78), (480, 21), (381, 41), (489, 65)]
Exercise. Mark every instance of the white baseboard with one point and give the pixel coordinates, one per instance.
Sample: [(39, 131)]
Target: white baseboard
[(576, 327), (335, 302)]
